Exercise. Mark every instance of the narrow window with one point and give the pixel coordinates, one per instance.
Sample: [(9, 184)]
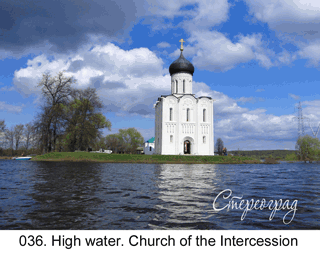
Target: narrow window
[(184, 86), (188, 116), (176, 86), (150, 149), (170, 114), (204, 115), (171, 138), (204, 139)]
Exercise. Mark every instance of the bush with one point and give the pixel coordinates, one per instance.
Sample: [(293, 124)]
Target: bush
[(291, 157), (308, 148)]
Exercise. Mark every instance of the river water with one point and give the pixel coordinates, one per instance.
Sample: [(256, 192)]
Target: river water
[(70, 195)]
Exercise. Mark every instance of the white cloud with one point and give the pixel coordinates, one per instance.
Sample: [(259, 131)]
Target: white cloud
[(244, 100), (124, 79), (129, 82), (203, 13), (260, 90), (294, 21), (213, 51), (311, 109), (6, 89), (256, 128), (311, 52), (295, 97), (10, 108), (163, 45), (282, 11)]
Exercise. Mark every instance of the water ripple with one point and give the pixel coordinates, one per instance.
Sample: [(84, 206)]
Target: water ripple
[(61, 195)]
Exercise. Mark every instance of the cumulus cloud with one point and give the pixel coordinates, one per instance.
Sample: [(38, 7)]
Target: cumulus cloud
[(294, 21), (310, 51), (129, 82), (65, 25), (10, 108), (213, 51), (58, 27), (311, 109), (124, 79), (200, 12), (276, 12), (234, 123)]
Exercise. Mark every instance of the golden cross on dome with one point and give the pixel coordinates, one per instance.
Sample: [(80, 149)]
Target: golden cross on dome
[(181, 41)]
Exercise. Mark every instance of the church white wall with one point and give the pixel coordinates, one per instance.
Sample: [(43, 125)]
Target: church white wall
[(169, 134), (188, 128), (158, 127), (178, 78), (172, 133), (205, 126), (149, 148)]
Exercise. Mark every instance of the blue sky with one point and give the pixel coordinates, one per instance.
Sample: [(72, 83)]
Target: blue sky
[(256, 58)]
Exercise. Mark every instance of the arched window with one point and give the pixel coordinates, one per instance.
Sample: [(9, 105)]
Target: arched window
[(171, 138), (204, 139), (188, 114), (176, 86), (170, 117), (184, 86), (204, 115)]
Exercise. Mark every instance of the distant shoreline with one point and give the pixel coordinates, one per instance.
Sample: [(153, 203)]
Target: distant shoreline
[(146, 159)]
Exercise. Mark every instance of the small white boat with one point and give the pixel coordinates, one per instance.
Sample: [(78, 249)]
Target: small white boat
[(22, 158)]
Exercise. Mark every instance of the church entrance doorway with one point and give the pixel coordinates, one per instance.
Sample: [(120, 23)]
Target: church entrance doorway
[(187, 147)]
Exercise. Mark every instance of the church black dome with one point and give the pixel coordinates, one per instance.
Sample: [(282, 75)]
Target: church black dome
[(181, 65)]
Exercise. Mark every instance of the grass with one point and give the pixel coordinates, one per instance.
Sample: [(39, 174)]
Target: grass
[(5, 157), (135, 158)]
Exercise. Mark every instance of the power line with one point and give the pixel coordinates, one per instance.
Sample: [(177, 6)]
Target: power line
[(315, 133)]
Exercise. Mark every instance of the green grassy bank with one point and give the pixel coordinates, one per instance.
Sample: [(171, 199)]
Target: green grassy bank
[(5, 157), (134, 158)]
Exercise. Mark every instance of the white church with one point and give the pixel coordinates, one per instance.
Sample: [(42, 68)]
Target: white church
[(184, 123)]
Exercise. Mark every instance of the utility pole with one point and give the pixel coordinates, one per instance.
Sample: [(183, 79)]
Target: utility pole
[(300, 120)]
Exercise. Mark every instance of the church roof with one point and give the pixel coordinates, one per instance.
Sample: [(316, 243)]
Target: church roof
[(151, 140), (181, 65)]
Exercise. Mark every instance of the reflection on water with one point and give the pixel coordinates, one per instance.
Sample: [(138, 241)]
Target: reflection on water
[(186, 196), (69, 195)]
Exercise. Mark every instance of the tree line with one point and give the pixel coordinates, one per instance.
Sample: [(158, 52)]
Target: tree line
[(307, 149), (69, 119)]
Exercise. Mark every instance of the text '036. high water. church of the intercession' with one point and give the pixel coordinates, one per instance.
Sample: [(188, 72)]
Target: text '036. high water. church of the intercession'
[(184, 123)]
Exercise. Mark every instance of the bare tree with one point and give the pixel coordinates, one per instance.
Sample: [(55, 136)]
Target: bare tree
[(56, 91), (9, 136), (18, 131), (29, 134), (2, 126), (219, 146), (2, 130)]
